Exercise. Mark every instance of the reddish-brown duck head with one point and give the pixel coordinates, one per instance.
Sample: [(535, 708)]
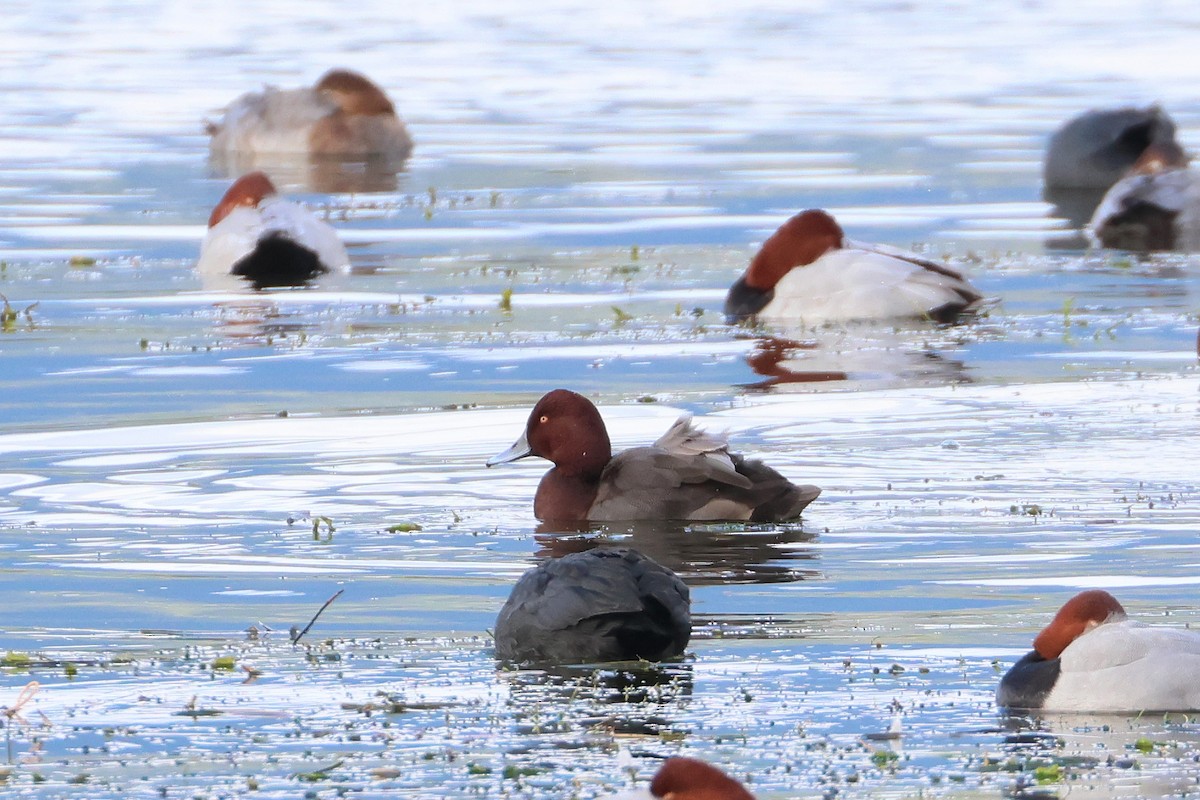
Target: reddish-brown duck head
[(566, 429), (1079, 615), (801, 240), (248, 190)]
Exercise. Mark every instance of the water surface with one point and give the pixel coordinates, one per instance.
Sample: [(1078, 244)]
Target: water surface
[(189, 472)]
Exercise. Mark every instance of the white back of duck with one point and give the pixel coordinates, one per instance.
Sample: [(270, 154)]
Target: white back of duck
[(1129, 667), (857, 284)]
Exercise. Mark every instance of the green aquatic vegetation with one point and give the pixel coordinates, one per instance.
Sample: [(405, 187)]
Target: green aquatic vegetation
[(506, 300), (8, 318), (432, 193), (16, 660), (478, 769), (1144, 745), (883, 759), (1051, 773), (316, 528), (317, 775), (403, 527), (1069, 321), (621, 316), (70, 670), (82, 261), (634, 253), (9, 315), (1111, 330), (224, 663)]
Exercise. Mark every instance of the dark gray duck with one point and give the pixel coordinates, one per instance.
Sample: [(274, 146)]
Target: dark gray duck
[(1095, 149), (605, 604)]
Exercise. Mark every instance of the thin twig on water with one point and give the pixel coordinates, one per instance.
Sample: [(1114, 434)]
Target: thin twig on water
[(320, 611)]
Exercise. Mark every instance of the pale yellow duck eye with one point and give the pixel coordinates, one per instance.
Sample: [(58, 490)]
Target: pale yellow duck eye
[(544, 419)]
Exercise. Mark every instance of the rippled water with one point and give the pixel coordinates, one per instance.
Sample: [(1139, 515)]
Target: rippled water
[(180, 463)]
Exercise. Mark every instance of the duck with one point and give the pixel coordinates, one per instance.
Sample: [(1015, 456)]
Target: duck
[(599, 605), (808, 272), (343, 116), (684, 778), (1093, 658), (269, 241), (686, 474), (1156, 206), (1094, 150)]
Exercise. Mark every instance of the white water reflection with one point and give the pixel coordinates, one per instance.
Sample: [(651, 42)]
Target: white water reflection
[(935, 464)]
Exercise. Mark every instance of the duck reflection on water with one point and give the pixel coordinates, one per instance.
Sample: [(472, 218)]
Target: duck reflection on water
[(859, 357), (589, 698), (329, 175), (256, 321), (708, 554)]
